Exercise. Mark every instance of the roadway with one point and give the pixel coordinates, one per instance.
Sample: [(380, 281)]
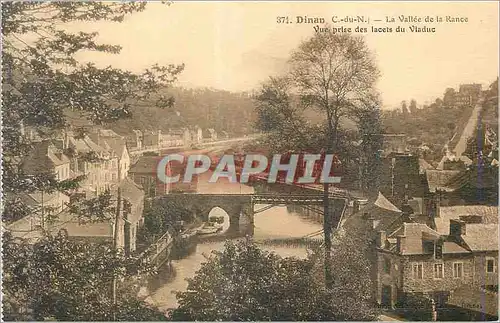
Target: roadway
[(209, 144), (469, 129)]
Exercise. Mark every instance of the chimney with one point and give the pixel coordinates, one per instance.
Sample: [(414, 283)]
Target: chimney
[(457, 228), (381, 239), (438, 205), (65, 140), (401, 244)]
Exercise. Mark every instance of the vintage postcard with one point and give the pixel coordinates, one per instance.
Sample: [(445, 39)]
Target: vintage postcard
[(249, 161)]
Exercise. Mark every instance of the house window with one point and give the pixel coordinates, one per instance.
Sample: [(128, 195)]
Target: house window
[(438, 271), (113, 176), (491, 265), (387, 265), (458, 270), (417, 271)]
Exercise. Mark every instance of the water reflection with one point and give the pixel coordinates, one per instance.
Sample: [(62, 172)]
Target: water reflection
[(276, 222)]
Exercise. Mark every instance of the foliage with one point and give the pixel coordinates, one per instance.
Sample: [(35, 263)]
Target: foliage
[(404, 108), (246, 283), (55, 278), (333, 76), (58, 279), (162, 216), (43, 78), (207, 108)]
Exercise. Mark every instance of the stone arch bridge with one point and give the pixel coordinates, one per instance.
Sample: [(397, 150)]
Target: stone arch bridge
[(241, 207)]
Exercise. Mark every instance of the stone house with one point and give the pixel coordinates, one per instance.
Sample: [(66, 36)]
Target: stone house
[(100, 164), (415, 260), (144, 173)]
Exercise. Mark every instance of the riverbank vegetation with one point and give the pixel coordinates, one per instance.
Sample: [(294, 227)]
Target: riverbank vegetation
[(246, 283), (165, 215), (58, 279)]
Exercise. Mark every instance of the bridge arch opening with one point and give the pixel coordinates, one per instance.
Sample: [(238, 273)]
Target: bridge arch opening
[(220, 212)]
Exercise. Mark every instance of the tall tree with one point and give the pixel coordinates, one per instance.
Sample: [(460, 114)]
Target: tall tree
[(42, 81), (413, 106), (404, 108), (334, 74), (449, 97)]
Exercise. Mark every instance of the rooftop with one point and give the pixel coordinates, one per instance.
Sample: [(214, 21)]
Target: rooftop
[(489, 215), (481, 237), (440, 179)]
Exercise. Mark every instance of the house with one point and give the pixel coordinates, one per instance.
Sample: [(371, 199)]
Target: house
[(119, 149), (46, 158), (183, 135), (171, 140), (401, 177), (145, 174), (474, 185), (98, 162), (196, 135), (213, 134), (393, 143), (151, 139), (131, 219), (209, 134), (417, 261), (116, 146), (134, 141), (467, 95), (416, 257)]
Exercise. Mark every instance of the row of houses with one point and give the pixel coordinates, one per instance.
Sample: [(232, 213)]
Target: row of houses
[(434, 233), (100, 160), (184, 137)]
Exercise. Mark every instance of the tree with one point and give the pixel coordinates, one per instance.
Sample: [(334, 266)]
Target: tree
[(332, 73), (449, 97), (165, 215), (404, 108), (244, 282), (43, 81), (58, 279), (413, 107)]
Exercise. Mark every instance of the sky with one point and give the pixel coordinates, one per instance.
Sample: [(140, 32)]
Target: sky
[(236, 46)]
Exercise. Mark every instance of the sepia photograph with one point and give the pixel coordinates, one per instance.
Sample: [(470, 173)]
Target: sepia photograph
[(249, 161)]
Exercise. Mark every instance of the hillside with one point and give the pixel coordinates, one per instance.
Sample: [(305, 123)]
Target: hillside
[(432, 126), (207, 108)]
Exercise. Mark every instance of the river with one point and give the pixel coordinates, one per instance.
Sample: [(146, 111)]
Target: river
[(276, 222)]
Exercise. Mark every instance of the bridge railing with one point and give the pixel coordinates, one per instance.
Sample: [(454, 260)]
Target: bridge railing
[(151, 255)]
